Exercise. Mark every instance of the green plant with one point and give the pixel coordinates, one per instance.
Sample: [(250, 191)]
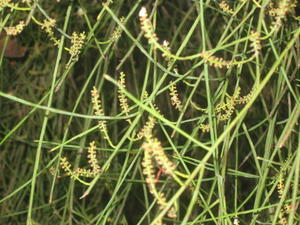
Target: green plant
[(169, 112)]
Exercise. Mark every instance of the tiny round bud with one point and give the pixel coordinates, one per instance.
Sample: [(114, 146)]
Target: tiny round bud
[(143, 12), (166, 43)]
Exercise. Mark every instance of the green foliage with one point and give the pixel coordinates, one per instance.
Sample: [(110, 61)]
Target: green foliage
[(200, 127)]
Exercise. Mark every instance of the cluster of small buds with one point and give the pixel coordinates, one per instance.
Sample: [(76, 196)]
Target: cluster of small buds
[(280, 185), (157, 109), (215, 61), (204, 127), (47, 26), (93, 162), (284, 7), (224, 111), (15, 30), (277, 23), (147, 27), (162, 201), (285, 211), (225, 7), (166, 47), (244, 99), (152, 38), (289, 208), (237, 94), (77, 44), (172, 212), (219, 62), (118, 31), (98, 111), (82, 172), (148, 171), (282, 218), (146, 131), (279, 13), (121, 96), (66, 166), (224, 106), (280, 188), (255, 43), (151, 148), (167, 55), (175, 101)]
